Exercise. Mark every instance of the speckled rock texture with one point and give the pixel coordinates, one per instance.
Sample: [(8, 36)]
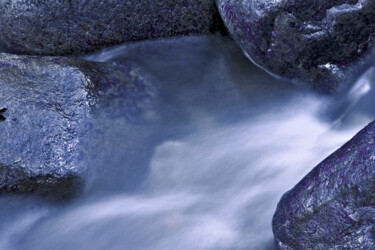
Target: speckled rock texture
[(47, 104), (319, 44), (59, 27), (333, 207)]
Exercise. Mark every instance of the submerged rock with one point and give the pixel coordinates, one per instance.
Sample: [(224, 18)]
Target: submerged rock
[(47, 107), (320, 44), (63, 27), (333, 207)]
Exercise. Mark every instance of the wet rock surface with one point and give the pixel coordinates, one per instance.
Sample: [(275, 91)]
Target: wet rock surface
[(333, 207), (47, 106), (65, 27), (320, 44)]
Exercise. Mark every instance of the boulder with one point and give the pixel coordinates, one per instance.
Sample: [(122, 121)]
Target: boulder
[(333, 207), (47, 106), (319, 44), (59, 27)]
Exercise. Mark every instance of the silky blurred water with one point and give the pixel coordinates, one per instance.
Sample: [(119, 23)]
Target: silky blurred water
[(207, 169)]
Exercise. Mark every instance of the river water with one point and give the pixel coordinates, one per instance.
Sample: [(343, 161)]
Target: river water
[(206, 171)]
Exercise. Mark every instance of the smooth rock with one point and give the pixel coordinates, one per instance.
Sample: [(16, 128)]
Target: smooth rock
[(59, 27), (319, 44), (48, 104), (333, 207)]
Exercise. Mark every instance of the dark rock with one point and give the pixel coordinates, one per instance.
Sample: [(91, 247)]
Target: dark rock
[(49, 103), (320, 44), (60, 27), (333, 207)]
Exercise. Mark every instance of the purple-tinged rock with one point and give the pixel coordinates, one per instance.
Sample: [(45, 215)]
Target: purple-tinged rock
[(333, 207), (320, 44), (59, 27), (47, 107)]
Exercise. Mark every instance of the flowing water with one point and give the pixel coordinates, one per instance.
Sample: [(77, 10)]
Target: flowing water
[(208, 168)]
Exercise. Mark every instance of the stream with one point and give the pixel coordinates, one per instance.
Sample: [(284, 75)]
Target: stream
[(207, 168)]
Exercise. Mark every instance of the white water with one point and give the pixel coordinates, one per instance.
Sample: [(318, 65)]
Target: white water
[(208, 174)]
